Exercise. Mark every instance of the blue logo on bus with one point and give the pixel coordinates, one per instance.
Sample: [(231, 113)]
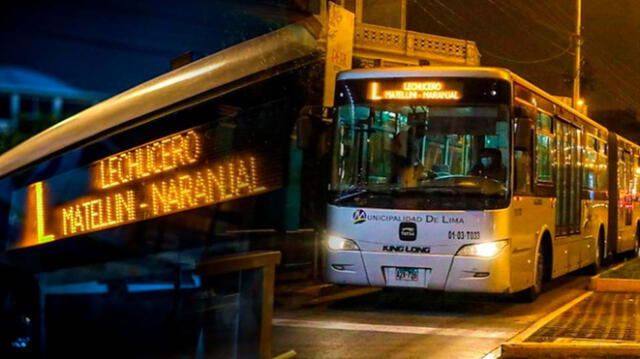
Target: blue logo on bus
[(359, 216)]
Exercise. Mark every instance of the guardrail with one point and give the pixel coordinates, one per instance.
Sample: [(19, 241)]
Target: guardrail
[(410, 43)]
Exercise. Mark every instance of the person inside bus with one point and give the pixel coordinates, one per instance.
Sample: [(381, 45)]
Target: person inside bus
[(490, 165), (406, 169)]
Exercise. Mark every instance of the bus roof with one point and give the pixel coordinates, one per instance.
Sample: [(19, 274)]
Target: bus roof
[(460, 71), (431, 71), (228, 66), (553, 99)]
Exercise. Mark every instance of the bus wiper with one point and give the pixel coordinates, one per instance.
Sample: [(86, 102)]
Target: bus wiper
[(432, 190), (356, 193), (454, 190)]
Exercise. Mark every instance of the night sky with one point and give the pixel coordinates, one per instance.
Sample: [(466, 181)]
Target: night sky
[(111, 46), (533, 39)]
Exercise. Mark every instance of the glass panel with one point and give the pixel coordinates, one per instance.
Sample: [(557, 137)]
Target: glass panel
[(545, 123), (567, 179), (590, 159), (522, 156), (565, 168), (129, 290), (417, 143), (440, 151), (560, 181), (601, 168), (575, 184), (154, 312), (544, 148), (543, 158), (624, 186)]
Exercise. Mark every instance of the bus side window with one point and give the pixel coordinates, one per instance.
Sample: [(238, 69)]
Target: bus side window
[(590, 163), (602, 182), (523, 149), (544, 148)]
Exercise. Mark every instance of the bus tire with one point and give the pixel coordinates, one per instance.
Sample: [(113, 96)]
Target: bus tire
[(606, 256), (599, 252), (636, 242), (531, 294)]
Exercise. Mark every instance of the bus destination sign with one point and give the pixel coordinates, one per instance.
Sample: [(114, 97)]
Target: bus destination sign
[(169, 175), (413, 90)]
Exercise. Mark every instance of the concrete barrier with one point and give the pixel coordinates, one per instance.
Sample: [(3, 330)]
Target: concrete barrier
[(600, 284), (580, 349)]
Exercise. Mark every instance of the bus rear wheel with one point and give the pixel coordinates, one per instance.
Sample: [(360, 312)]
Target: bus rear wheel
[(636, 242), (598, 253)]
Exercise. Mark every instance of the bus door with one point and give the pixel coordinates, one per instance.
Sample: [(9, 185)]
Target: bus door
[(625, 204), (567, 179)]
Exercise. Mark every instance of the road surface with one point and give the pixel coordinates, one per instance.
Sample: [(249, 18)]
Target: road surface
[(415, 324)]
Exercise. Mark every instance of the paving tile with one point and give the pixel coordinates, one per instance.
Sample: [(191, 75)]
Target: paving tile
[(602, 316)]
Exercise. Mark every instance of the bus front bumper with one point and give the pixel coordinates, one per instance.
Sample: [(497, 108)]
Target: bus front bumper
[(434, 271)]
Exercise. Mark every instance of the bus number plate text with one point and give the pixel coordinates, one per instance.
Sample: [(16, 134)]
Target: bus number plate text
[(407, 274), (464, 235)]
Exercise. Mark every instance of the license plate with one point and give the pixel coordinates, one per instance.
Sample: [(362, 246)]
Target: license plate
[(407, 274)]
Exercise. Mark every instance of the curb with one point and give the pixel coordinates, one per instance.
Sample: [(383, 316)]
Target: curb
[(582, 349), (599, 284), (517, 348), (615, 285)]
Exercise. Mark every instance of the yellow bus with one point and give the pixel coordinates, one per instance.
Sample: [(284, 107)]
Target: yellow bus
[(472, 180)]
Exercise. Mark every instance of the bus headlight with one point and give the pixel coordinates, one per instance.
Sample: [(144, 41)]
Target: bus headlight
[(338, 243), (487, 249)]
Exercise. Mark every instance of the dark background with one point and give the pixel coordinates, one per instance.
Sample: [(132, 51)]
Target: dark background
[(533, 38), (110, 46)]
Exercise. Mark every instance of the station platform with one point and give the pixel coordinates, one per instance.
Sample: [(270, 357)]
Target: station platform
[(602, 323), (598, 317)]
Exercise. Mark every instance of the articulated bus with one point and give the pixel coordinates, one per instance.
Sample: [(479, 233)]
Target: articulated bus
[(105, 217), (472, 180)]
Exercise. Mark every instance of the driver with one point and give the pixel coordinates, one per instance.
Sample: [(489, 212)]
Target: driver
[(490, 165)]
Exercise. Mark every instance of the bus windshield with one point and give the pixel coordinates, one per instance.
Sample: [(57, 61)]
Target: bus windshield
[(413, 156)]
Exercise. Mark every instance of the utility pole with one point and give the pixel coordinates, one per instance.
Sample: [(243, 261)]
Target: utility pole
[(576, 67)]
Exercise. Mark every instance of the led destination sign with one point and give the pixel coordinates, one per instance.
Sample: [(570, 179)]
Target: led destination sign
[(151, 159), (169, 175), (412, 90)]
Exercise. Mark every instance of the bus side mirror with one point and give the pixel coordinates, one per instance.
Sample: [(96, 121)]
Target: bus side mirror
[(310, 125)]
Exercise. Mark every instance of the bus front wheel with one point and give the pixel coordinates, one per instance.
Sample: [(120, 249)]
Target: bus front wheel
[(531, 294)]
